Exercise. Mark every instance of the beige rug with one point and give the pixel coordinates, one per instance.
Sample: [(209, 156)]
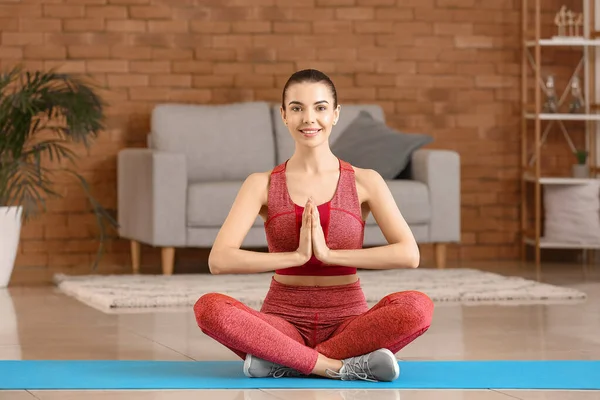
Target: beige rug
[(141, 293)]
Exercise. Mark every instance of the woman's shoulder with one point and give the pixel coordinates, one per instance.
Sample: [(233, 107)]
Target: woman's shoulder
[(367, 180), (259, 179), (257, 183), (365, 175)]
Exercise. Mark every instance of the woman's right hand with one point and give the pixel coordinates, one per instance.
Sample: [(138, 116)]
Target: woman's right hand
[(305, 245)]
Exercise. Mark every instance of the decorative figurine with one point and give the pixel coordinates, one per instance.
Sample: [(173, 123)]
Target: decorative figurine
[(551, 104), (568, 24), (579, 24), (577, 102), (560, 20)]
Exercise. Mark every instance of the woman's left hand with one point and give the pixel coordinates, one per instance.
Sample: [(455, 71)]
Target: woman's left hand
[(320, 249)]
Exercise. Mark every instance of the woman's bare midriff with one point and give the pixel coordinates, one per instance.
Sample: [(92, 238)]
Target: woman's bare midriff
[(295, 280)]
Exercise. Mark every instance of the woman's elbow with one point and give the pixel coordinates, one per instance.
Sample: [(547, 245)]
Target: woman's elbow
[(214, 264), (409, 256), (414, 259)]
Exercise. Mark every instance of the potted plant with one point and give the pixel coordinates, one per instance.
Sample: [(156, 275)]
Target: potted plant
[(581, 169), (42, 115)]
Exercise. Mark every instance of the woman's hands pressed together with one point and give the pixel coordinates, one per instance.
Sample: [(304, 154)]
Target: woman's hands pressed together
[(320, 249), (312, 237), (305, 246)]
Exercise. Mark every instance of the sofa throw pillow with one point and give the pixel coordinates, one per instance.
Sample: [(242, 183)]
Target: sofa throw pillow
[(368, 143)]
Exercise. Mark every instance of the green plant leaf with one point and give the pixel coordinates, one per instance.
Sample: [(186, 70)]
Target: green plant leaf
[(42, 115), (581, 156)]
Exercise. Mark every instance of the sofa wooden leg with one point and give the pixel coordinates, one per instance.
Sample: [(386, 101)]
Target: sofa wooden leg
[(168, 260), (440, 255), (136, 250)]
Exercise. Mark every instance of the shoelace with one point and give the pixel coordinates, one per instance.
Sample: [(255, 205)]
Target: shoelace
[(281, 372), (355, 368)]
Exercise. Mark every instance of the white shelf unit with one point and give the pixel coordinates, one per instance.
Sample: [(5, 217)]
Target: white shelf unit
[(557, 180), (549, 244), (564, 117), (564, 42), (545, 243), (532, 174)]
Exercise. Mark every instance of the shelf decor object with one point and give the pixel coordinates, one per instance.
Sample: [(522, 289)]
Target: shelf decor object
[(577, 101), (569, 24), (544, 106), (581, 169), (551, 104), (568, 209)]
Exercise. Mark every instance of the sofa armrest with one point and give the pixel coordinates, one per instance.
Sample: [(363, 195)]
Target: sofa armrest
[(440, 171), (152, 187)]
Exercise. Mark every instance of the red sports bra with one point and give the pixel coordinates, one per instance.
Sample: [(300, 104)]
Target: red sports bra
[(340, 218)]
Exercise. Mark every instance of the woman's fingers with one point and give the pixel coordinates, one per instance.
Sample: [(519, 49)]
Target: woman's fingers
[(306, 216)]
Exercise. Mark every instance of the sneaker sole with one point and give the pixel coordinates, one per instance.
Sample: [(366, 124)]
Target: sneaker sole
[(247, 363), (395, 363)]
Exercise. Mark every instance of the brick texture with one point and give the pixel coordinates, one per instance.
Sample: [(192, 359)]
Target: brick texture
[(450, 68)]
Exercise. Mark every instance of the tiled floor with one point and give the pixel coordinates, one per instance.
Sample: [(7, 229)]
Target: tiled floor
[(41, 323)]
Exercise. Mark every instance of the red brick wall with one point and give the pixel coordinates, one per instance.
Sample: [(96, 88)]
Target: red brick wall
[(449, 68)]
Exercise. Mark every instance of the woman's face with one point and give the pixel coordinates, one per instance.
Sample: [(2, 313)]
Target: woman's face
[(309, 113)]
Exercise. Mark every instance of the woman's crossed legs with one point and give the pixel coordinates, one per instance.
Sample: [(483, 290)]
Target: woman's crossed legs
[(392, 323)]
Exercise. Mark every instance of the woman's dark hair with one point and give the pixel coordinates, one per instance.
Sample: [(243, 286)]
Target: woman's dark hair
[(312, 76)]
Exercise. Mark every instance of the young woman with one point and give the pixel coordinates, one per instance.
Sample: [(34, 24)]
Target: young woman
[(315, 319)]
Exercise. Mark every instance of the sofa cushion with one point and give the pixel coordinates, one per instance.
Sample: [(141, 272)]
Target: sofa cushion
[(220, 142), (368, 143), (208, 203), (412, 198), (285, 144)]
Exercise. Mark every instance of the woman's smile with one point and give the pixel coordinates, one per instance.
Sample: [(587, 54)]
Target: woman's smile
[(310, 132)]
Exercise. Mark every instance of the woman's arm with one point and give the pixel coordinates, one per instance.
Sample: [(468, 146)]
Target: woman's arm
[(238, 261), (226, 257), (402, 250)]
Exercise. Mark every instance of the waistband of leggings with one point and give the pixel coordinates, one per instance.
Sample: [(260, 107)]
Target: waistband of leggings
[(311, 298)]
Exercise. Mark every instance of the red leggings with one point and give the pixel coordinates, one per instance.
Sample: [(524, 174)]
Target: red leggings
[(296, 323)]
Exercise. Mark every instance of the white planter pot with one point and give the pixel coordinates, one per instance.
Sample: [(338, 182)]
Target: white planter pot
[(581, 171), (10, 233)]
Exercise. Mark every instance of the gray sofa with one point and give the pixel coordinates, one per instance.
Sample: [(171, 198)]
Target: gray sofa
[(177, 192)]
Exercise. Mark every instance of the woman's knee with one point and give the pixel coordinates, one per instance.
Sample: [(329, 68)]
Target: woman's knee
[(420, 304), (209, 306)]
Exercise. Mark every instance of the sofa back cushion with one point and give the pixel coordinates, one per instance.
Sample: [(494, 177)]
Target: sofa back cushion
[(221, 142), (348, 112), (371, 144)]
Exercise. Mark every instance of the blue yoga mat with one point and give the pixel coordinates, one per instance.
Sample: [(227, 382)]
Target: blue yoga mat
[(66, 375)]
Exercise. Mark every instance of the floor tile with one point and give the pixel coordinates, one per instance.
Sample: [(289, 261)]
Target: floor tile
[(553, 395), (16, 395), (387, 395), (156, 395)]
